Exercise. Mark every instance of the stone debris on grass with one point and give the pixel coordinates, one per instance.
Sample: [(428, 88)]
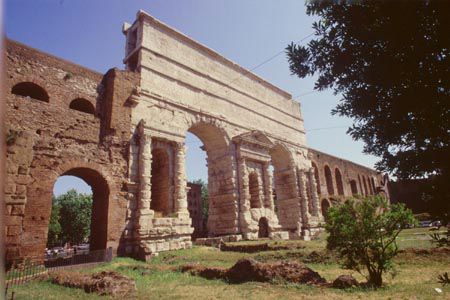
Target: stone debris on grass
[(107, 283), (248, 269), (345, 282), (252, 248)]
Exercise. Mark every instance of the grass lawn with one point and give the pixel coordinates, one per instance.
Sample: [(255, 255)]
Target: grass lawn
[(416, 276)]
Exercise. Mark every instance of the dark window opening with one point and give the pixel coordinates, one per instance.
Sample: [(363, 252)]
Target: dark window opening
[(253, 185), (82, 105), (32, 90), (263, 228), (353, 187), (329, 181), (160, 183), (339, 184)]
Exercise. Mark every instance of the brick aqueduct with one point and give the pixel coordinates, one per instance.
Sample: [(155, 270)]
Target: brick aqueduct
[(123, 133)]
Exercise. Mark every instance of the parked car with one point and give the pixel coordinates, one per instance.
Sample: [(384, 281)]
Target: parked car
[(425, 224), (437, 223), (81, 249)]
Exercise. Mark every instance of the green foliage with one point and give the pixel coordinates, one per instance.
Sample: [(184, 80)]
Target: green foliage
[(54, 228), (205, 195), (363, 233), (68, 76), (70, 219), (389, 61)]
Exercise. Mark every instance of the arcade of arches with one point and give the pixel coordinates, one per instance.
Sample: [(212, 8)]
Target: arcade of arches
[(124, 132)]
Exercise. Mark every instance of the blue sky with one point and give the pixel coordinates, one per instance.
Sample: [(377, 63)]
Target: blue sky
[(248, 32)]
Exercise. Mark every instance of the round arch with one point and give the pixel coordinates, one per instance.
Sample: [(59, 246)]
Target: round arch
[(329, 180), (82, 105), (100, 205), (39, 203), (284, 183), (30, 89), (339, 184), (220, 164)]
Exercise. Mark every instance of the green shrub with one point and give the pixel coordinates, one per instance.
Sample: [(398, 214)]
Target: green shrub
[(363, 233)]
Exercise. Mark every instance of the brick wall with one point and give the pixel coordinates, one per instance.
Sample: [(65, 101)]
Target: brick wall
[(49, 139)]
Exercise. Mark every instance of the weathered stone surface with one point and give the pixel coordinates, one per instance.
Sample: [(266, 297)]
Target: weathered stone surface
[(124, 132)]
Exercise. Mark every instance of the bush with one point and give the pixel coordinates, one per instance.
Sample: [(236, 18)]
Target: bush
[(363, 233)]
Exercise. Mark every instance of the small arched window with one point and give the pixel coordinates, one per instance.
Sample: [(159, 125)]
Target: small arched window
[(366, 191), (353, 187), (30, 89), (329, 180), (82, 105), (339, 184)]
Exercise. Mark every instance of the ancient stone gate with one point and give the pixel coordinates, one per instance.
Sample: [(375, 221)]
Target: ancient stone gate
[(248, 126), (124, 133)]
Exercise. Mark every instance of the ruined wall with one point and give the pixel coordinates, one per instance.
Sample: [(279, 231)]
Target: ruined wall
[(335, 188), (46, 139)]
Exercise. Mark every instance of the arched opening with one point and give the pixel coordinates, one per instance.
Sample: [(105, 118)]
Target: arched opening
[(79, 214), (316, 176), (353, 187), (197, 177), (253, 185), (339, 184), (366, 192), (82, 105), (329, 180), (206, 142), (360, 185), (160, 202), (370, 186), (283, 183), (325, 204), (30, 89), (263, 228)]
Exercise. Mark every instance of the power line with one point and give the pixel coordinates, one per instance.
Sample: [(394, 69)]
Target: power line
[(305, 94), (324, 128), (267, 60)]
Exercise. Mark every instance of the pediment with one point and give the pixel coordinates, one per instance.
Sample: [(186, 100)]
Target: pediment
[(254, 137)]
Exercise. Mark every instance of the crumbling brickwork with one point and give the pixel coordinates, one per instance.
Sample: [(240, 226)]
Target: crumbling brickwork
[(47, 139)]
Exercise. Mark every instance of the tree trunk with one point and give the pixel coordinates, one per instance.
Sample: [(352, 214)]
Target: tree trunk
[(375, 279)]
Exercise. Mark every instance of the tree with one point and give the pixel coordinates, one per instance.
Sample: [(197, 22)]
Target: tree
[(389, 60), (54, 228), (205, 203), (363, 233), (75, 210)]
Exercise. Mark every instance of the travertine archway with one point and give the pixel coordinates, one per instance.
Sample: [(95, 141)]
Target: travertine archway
[(220, 178)]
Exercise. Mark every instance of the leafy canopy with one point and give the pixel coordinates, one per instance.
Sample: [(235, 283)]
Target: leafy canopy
[(390, 62), (363, 233), (70, 219), (205, 203)]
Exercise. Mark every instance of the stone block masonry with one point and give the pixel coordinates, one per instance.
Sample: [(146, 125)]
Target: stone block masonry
[(124, 132)]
